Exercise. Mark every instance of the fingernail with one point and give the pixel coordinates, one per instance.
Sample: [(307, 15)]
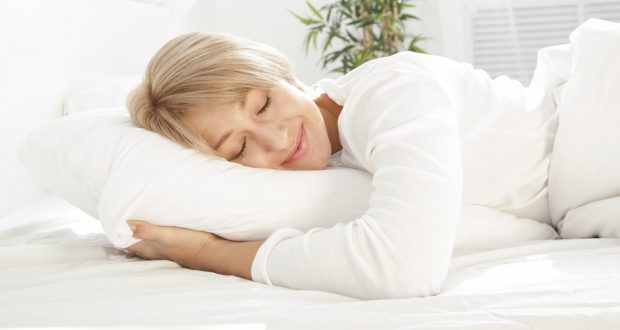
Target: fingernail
[(133, 227)]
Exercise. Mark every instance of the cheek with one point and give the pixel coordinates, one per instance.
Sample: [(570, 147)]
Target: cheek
[(321, 146), (319, 134)]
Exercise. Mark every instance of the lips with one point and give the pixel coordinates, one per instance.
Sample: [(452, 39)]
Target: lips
[(300, 147)]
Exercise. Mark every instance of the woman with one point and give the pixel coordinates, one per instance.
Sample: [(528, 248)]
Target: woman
[(434, 133)]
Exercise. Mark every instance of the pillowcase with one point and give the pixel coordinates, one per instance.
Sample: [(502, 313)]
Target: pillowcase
[(100, 162), (597, 219), (585, 162), (110, 94)]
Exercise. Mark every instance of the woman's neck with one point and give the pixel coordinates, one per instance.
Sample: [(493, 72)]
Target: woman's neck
[(330, 111)]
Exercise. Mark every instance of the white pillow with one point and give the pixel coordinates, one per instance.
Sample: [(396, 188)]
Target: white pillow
[(597, 219), (585, 163), (110, 94), (99, 161)]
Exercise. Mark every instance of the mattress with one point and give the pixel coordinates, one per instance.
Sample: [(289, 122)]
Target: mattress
[(58, 269)]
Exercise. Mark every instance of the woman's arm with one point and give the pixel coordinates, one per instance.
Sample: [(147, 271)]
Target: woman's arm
[(193, 249), (402, 127), (236, 258)]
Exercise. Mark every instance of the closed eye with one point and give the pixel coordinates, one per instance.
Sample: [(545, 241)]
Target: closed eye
[(267, 104), (241, 152)]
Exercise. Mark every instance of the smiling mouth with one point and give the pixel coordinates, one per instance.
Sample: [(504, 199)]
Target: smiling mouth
[(300, 147)]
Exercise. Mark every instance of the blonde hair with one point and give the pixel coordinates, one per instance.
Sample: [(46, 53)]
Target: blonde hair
[(209, 69)]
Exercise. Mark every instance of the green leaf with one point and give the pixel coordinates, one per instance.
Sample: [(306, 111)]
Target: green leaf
[(346, 14), (329, 12), (352, 37), (307, 42), (327, 42), (314, 36), (317, 28), (356, 21), (296, 16), (305, 20), (404, 17), (413, 47), (416, 49), (344, 39), (348, 20), (314, 10), (366, 22)]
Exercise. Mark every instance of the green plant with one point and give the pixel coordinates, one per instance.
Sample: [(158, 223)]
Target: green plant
[(365, 30)]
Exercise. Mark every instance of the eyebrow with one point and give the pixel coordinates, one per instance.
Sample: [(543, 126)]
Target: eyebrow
[(229, 133)]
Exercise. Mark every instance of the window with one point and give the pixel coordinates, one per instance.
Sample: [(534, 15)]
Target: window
[(506, 35)]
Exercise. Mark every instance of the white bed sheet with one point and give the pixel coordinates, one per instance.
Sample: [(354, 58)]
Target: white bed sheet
[(58, 269)]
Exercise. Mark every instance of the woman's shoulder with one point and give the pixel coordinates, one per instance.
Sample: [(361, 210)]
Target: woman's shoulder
[(406, 64), (374, 72), (422, 65), (405, 60)]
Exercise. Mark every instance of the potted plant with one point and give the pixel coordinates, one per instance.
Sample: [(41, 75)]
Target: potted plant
[(361, 30)]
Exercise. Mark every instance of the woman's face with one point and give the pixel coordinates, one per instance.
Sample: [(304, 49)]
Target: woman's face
[(279, 128)]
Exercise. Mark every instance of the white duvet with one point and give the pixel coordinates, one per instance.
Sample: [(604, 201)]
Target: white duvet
[(58, 269)]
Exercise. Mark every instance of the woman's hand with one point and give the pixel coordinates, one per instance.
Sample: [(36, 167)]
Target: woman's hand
[(188, 248), (193, 249)]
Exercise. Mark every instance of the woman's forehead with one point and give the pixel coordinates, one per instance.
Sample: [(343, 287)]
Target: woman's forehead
[(203, 116)]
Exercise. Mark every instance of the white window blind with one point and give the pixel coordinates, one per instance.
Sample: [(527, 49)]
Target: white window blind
[(506, 34)]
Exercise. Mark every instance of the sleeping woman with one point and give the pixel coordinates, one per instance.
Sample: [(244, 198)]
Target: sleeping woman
[(434, 133)]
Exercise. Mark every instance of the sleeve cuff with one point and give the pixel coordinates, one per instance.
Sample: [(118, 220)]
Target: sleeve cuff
[(259, 265)]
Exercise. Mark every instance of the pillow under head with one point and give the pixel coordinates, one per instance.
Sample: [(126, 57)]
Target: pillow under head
[(99, 161)]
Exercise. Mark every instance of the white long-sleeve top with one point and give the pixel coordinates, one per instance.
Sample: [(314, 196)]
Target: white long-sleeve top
[(434, 134)]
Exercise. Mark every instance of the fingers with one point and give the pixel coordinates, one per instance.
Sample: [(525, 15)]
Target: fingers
[(133, 224), (143, 230), (150, 235), (144, 250)]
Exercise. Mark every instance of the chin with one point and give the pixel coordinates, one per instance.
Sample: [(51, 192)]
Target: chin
[(313, 164), (321, 164), (308, 167)]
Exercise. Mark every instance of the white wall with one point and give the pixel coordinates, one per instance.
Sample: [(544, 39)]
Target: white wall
[(446, 22), (265, 21), (270, 22), (49, 49)]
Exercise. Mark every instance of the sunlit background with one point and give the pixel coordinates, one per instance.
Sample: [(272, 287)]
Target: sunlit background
[(500, 36)]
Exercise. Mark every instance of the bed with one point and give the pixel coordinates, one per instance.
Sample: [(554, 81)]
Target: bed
[(59, 270)]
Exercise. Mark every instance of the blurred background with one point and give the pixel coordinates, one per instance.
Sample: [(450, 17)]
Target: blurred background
[(500, 36), (52, 51)]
